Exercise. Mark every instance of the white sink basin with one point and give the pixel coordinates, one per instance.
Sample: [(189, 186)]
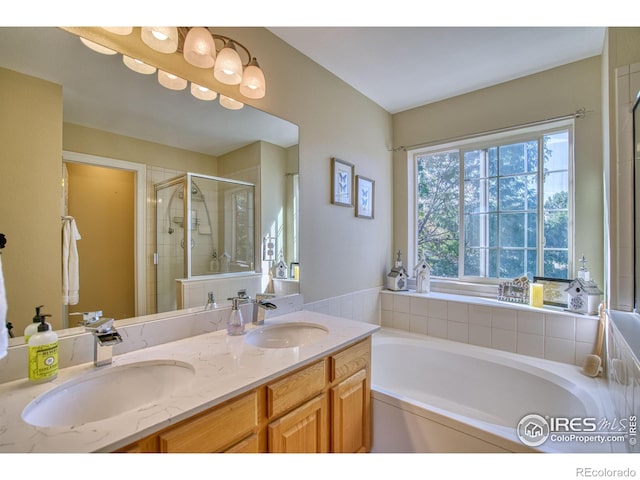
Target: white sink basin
[(106, 393), (286, 335)]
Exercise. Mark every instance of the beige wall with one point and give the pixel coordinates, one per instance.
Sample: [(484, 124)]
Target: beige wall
[(80, 139), (31, 139), (556, 92)]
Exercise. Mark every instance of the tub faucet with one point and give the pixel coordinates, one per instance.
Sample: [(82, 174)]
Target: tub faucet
[(105, 336)]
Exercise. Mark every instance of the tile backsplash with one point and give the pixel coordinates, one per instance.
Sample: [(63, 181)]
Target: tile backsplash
[(539, 332)]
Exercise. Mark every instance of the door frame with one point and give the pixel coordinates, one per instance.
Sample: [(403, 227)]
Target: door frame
[(140, 219)]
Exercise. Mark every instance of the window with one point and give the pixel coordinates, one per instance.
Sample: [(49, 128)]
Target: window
[(497, 207)]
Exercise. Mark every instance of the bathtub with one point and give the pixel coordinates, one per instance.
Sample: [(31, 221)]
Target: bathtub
[(434, 395)]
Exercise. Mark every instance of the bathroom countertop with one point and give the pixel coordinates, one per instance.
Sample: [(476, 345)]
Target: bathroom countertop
[(225, 366)]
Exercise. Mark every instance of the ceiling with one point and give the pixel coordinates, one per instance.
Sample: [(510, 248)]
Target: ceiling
[(400, 68)]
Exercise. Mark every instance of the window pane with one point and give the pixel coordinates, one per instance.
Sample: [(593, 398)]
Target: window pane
[(519, 193), (532, 230), (472, 262), (472, 164), (556, 190), (556, 151), (512, 228), (492, 155), (472, 194), (518, 158), (511, 263), (531, 263), (556, 229), (437, 211), (493, 194), (493, 230), (556, 263), (472, 233)]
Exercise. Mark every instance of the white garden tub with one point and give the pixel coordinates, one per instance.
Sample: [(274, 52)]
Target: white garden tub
[(433, 395)]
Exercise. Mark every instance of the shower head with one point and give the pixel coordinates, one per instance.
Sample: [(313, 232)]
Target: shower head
[(171, 230)]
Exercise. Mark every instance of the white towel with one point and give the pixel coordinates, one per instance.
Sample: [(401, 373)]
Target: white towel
[(4, 336), (70, 262)]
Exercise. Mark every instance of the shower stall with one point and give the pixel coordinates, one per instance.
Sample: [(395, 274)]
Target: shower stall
[(204, 226)]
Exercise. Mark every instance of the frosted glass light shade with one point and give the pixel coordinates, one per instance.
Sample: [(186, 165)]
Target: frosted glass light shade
[(228, 68), (230, 103), (119, 30), (199, 48), (161, 39), (253, 84), (202, 93), (97, 47), (171, 81), (138, 66)]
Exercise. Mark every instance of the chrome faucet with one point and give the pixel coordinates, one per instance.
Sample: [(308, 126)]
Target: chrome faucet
[(105, 336), (260, 307)]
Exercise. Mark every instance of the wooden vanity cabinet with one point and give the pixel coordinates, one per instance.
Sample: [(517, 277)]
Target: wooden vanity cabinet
[(319, 408)]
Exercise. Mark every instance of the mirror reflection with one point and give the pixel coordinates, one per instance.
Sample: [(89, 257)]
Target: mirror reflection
[(121, 121)]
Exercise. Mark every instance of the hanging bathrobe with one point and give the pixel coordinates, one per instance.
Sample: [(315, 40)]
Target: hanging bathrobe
[(70, 262)]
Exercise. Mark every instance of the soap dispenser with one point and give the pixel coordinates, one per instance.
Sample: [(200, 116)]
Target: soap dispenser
[(32, 328), (235, 324), (43, 353)]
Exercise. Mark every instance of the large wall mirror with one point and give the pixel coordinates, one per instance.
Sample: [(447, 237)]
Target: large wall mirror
[(120, 123)]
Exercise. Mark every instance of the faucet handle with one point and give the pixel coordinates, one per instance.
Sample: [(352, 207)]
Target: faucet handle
[(89, 317)]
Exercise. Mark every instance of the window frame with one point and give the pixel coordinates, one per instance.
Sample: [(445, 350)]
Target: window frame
[(484, 141)]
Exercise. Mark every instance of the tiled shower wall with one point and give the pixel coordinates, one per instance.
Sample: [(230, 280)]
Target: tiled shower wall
[(543, 333)]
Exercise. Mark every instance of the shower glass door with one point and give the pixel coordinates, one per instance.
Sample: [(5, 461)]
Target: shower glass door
[(211, 233)]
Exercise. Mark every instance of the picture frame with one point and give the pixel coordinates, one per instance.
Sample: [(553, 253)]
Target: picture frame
[(341, 182), (365, 197), (554, 293)]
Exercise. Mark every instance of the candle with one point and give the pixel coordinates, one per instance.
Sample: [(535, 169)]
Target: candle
[(536, 295), (296, 270)]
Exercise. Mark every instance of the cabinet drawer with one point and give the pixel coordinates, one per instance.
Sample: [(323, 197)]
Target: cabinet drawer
[(295, 388), (214, 430), (349, 361)]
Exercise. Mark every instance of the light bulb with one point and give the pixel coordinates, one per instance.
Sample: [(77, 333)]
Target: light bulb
[(253, 83), (230, 103), (138, 66), (202, 93), (97, 47), (199, 48), (161, 39), (171, 81), (228, 67)]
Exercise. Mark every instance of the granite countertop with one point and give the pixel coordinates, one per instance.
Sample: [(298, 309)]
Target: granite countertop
[(224, 367)]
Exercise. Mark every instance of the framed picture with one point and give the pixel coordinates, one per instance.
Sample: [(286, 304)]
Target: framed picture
[(365, 193), (341, 183), (554, 293)]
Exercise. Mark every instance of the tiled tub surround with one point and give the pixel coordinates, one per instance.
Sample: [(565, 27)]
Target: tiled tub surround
[(224, 368), (548, 332)]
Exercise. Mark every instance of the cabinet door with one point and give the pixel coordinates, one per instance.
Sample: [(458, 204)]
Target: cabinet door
[(214, 430), (303, 430), (351, 415)]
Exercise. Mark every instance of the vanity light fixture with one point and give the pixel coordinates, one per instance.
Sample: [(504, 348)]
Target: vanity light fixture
[(198, 46)]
